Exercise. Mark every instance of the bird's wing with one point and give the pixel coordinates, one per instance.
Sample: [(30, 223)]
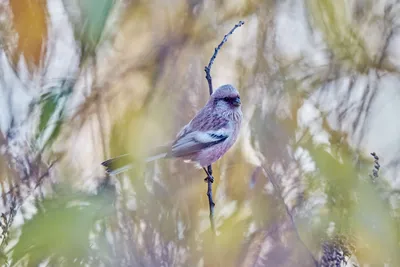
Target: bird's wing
[(205, 120), (195, 141), (206, 129)]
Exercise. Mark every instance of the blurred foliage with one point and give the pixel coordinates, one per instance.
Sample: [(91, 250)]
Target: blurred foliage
[(30, 22), (52, 106), (296, 190), (60, 231), (355, 206), (89, 18), (333, 18), (346, 27)]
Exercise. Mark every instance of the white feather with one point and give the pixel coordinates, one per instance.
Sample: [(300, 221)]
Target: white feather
[(210, 136)]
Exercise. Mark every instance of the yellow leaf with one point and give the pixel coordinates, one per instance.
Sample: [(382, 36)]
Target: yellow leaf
[(29, 18)]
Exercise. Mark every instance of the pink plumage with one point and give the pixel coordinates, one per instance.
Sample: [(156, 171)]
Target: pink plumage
[(206, 138)]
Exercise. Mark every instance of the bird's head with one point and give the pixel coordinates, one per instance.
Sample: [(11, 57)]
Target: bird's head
[(226, 96)]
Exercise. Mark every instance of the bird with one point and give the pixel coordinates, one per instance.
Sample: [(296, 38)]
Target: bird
[(204, 140)]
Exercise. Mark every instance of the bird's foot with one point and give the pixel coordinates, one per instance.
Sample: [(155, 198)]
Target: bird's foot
[(209, 178)]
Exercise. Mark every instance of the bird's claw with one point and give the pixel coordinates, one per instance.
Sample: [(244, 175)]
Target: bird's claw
[(211, 179)]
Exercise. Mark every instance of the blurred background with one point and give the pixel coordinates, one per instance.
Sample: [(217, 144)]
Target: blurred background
[(85, 80)]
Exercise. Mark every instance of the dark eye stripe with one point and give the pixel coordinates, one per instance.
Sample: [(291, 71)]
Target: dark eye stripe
[(230, 99)]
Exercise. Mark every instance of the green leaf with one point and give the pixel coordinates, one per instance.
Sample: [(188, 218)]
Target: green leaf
[(54, 134), (48, 108), (52, 113), (89, 24), (340, 180), (60, 229), (97, 12)]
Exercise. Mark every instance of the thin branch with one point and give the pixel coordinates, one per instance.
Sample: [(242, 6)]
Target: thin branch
[(5, 225), (45, 174), (38, 181), (210, 179), (288, 212), (207, 69)]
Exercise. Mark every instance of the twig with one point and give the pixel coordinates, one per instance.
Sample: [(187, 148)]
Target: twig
[(5, 225), (46, 173), (210, 180), (39, 181), (207, 69), (289, 214), (375, 170)]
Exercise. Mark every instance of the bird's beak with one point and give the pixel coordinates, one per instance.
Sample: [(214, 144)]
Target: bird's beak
[(237, 102)]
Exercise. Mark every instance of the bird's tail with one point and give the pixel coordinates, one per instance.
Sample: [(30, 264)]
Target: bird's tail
[(124, 162)]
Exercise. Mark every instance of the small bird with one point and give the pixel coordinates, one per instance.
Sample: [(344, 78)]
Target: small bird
[(205, 139)]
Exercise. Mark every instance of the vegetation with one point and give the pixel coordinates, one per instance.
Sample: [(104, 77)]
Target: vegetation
[(85, 80)]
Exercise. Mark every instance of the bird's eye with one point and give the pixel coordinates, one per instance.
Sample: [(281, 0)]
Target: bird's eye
[(227, 99)]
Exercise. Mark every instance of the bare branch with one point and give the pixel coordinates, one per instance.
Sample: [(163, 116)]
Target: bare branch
[(207, 69), (289, 214)]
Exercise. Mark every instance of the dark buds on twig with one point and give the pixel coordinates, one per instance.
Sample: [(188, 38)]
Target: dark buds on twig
[(375, 170)]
